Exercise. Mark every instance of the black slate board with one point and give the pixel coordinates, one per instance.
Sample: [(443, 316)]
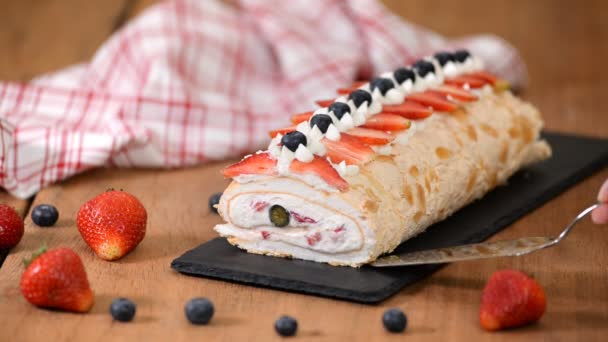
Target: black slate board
[(574, 158)]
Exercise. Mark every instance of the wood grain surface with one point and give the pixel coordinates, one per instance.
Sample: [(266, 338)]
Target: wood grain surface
[(564, 44)]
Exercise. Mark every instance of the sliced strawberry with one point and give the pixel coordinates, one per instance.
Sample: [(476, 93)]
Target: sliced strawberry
[(346, 91), (357, 84), (387, 122), (484, 75), (455, 92), (409, 110), (370, 136), (322, 168), (348, 149), (462, 80), (297, 118), (324, 103), (434, 100), (283, 131), (255, 164)]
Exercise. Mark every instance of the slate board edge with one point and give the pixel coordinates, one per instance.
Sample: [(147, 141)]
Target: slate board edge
[(261, 281)]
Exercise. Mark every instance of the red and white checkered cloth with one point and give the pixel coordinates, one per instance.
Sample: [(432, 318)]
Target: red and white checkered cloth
[(190, 81)]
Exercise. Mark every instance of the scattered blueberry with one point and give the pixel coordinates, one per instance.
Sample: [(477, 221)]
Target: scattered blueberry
[(403, 74), (286, 326), (293, 139), (444, 57), (214, 200), (461, 55), (122, 309), (45, 215), (423, 67), (278, 216), (383, 84), (359, 96), (339, 109), (199, 310), (394, 320), (322, 121)]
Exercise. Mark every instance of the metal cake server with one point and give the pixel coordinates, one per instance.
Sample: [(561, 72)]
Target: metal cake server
[(483, 250)]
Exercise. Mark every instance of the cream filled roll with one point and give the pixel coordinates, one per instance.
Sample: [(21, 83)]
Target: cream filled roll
[(379, 164)]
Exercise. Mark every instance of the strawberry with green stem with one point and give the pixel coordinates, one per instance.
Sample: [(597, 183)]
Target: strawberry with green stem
[(57, 279)]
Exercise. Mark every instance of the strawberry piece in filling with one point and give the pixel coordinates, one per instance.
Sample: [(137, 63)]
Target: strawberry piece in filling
[(301, 218), (259, 205), (314, 238)]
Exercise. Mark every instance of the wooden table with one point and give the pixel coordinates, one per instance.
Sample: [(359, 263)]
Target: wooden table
[(565, 46)]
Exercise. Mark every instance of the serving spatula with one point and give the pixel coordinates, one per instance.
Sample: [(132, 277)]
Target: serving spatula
[(483, 250)]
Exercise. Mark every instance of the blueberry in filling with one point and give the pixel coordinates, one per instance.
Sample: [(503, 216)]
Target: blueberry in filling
[(444, 57), (423, 67), (360, 96), (293, 139), (383, 84), (322, 121), (403, 74), (214, 200), (339, 109), (278, 216), (461, 55)]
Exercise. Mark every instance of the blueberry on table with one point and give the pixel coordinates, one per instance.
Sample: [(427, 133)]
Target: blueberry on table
[(214, 200), (322, 121), (45, 215), (394, 320), (383, 84), (293, 139), (423, 67), (278, 216), (286, 326), (359, 96), (461, 55), (339, 109), (403, 74), (444, 57), (199, 310), (122, 310)]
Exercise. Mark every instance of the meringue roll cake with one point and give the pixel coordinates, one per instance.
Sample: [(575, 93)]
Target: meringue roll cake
[(380, 163)]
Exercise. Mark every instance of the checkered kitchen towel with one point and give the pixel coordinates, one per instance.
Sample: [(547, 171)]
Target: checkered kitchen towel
[(190, 81)]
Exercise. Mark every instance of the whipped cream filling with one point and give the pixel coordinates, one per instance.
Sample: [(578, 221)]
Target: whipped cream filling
[(319, 222)]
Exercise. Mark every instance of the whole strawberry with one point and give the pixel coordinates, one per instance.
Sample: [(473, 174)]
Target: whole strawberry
[(511, 299), (11, 227), (112, 224), (57, 279)]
